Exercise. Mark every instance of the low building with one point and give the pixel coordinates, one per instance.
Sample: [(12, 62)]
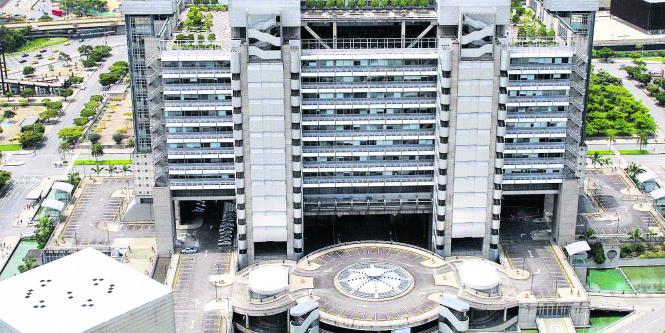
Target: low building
[(648, 15), (85, 292), (647, 181)]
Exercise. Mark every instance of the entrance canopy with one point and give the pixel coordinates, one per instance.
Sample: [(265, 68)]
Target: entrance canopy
[(63, 187), (53, 204), (577, 247)]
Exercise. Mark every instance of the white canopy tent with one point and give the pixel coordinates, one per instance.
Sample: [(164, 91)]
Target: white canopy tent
[(63, 187), (53, 204), (577, 247)]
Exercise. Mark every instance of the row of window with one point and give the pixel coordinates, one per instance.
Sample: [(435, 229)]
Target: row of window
[(361, 112), (534, 140), (542, 155), (369, 79), (429, 173), (197, 64), (370, 62), (365, 143), (201, 129), (198, 113), (548, 124), (201, 160), (538, 93), (199, 145), (368, 127), (197, 97), (387, 158), (215, 80), (539, 61), (537, 109), (377, 95), (531, 77)]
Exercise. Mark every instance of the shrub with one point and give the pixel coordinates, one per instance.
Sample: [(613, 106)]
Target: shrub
[(80, 121), (117, 138), (598, 253), (87, 113), (361, 3), (94, 137), (23, 102)]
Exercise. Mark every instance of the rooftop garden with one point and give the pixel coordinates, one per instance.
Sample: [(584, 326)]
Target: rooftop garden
[(526, 22), (196, 30), (367, 4)]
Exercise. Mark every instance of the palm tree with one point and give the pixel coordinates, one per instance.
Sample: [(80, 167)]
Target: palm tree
[(126, 168), (596, 158), (97, 151), (28, 264), (590, 233), (635, 236), (633, 170), (606, 161), (63, 148), (642, 139), (97, 169), (112, 169), (650, 234), (611, 136)]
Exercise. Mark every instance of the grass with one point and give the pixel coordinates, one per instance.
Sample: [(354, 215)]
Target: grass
[(647, 279), (607, 279), (40, 43), (10, 147), (102, 162), (644, 59), (600, 321), (622, 152)]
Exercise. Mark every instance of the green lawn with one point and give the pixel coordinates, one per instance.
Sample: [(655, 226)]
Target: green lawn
[(648, 278), (102, 162), (601, 321), (40, 43), (644, 59), (622, 152), (14, 147), (607, 279)]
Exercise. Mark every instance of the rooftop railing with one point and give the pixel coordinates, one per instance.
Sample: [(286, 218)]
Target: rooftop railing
[(369, 43)]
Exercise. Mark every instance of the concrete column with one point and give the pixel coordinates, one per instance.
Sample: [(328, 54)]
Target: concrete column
[(548, 207), (176, 211), (566, 216), (164, 227), (334, 33), (403, 34)]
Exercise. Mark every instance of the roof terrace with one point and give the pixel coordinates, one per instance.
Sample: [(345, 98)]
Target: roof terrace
[(202, 27)]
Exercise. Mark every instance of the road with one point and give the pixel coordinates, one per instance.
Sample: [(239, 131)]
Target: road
[(648, 315), (41, 164)]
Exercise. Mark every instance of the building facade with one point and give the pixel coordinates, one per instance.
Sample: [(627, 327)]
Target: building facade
[(301, 114)]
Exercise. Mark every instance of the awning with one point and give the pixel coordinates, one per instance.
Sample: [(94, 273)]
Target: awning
[(63, 187), (646, 176), (53, 204), (577, 247), (658, 194), (35, 194)]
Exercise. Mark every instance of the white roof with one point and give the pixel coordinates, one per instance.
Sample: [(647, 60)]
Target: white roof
[(269, 279), (72, 294), (577, 247), (646, 176), (64, 187), (34, 194), (658, 194), (478, 274), (53, 204)]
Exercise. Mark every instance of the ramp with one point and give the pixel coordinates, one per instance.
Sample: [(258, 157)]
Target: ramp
[(555, 325)]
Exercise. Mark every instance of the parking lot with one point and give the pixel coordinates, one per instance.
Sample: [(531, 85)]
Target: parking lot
[(535, 256)]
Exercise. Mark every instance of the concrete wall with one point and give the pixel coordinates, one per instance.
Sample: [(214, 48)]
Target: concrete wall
[(164, 224)]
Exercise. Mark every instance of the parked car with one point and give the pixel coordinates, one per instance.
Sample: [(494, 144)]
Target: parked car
[(43, 51), (189, 250), (22, 61), (25, 55), (35, 62)]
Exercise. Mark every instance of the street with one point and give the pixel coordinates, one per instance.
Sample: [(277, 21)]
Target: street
[(41, 163)]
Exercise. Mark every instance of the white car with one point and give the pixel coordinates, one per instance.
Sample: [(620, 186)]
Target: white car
[(189, 250)]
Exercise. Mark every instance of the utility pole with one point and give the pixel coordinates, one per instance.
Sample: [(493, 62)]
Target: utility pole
[(3, 65)]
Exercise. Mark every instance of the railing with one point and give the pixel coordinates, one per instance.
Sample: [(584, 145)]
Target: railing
[(534, 145), (533, 161), (191, 87), (365, 180), (535, 176), (564, 83), (353, 101), (338, 149), (534, 130), (368, 164), (370, 43), (227, 120), (539, 66), (423, 132), (198, 182), (196, 166), (523, 115), (527, 99), (371, 84), (187, 70), (201, 136), (359, 117), (192, 45), (193, 151), (332, 69), (541, 41), (197, 103)]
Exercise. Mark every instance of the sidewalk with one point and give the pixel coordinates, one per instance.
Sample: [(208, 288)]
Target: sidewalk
[(7, 246)]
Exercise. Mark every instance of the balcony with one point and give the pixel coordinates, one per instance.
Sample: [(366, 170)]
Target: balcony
[(200, 136), (531, 83), (539, 67), (537, 99), (223, 120), (532, 177), (197, 87), (185, 71), (174, 153), (368, 43), (367, 181), (367, 101), (534, 115), (536, 130), (198, 183), (367, 85), (534, 145), (381, 133), (368, 117), (196, 103), (532, 161), (228, 167), (350, 149), (367, 164), (380, 69)]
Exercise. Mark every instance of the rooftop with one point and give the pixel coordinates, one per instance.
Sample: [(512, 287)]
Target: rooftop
[(74, 294)]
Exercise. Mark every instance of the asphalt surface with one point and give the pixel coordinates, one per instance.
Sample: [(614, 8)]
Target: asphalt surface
[(41, 164)]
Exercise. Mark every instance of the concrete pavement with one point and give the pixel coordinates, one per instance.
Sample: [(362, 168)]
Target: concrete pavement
[(647, 312)]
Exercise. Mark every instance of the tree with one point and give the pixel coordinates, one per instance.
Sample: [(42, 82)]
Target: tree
[(112, 169), (70, 134), (28, 264), (633, 170), (107, 79), (66, 58), (117, 138), (125, 169), (589, 234), (643, 78), (5, 176), (605, 53), (9, 94), (48, 114), (30, 138), (63, 148), (94, 137), (43, 231), (596, 158), (97, 151), (88, 63), (643, 139), (28, 70), (97, 169), (635, 235), (85, 50), (611, 137), (9, 114), (75, 79), (660, 97), (27, 93), (66, 92), (73, 178)]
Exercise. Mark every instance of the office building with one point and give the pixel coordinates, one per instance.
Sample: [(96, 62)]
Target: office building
[(427, 125)]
